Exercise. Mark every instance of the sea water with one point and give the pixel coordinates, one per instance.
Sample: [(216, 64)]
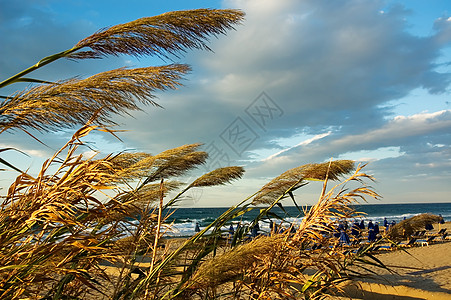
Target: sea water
[(184, 219)]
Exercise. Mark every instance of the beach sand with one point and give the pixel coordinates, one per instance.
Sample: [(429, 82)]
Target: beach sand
[(421, 273), (417, 273)]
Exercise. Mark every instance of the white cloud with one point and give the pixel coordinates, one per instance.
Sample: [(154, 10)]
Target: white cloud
[(372, 155), (400, 128), (303, 143)]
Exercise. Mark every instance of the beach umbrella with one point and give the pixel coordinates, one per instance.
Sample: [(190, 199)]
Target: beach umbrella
[(407, 227)]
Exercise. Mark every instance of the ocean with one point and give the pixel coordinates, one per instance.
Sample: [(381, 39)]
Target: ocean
[(185, 218)]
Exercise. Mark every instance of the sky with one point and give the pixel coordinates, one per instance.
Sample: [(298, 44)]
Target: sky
[(299, 81)]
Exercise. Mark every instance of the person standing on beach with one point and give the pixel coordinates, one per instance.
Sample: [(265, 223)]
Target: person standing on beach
[(231, 230), (197, 228), (428, 226), (442, 221), (344, 238), (376, 228), (355, 229), (371, 234), (255, 230)]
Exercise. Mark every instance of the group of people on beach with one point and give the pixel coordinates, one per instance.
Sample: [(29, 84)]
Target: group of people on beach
[(358, 228), (254, 230)]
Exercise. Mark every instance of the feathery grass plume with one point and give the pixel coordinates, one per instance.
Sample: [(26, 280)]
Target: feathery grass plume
[(159, 35), (131, 166), (219, 176), (332, 267), (64, 230), (170, 163), (233, 265), (176, 162), (150, 193), (296, 177), (407, 227), (50, 106), (329, 266), (331, 207), (163, 35)]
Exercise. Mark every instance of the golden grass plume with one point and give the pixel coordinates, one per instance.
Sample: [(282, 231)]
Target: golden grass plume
[(232, 264), (276, 187), (163, 35), (66, 103), (219, 176)]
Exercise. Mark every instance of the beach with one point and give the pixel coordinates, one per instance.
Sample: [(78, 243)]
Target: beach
[(420, 272)]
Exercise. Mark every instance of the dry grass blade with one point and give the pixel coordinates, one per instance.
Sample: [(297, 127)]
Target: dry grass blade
[(219, 176), (64, 104), (55, 226), (161, 35), (279, 185)]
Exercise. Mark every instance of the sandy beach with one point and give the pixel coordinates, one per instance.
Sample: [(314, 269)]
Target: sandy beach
[(420, 272)]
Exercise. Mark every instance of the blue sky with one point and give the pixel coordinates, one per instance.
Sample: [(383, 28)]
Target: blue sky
[(300, 81)]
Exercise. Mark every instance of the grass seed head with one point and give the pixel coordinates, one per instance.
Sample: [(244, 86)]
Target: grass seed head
[(219, 176)]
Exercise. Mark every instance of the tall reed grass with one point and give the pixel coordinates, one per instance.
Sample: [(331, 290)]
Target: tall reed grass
[(64, 228)]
